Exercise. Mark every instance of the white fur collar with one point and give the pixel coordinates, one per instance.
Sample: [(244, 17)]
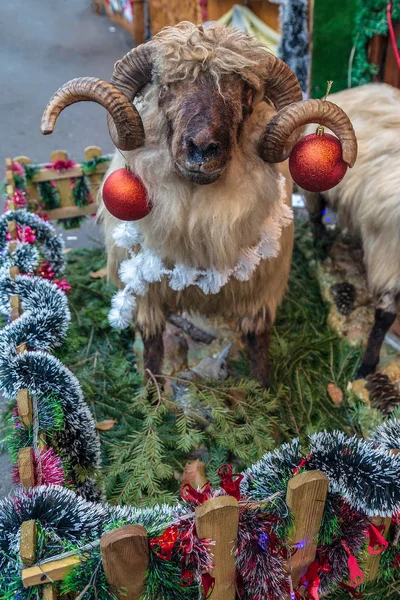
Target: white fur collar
[(146, 266)]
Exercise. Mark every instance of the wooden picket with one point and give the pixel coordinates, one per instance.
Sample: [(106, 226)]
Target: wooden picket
[(62, 180)]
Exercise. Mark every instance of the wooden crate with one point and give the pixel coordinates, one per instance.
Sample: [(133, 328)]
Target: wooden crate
[(171, 12), (63, 181)]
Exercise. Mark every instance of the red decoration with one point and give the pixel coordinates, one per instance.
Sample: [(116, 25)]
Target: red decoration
[(377, 543), (63, 285), (356, 576), (189, 494), (24, 234), (125, 196), (316, 162), (230, 483), (165, 543), (45, 270)]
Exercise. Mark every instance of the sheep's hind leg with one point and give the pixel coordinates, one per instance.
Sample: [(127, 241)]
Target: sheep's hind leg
[(385, 314), (257, 342)]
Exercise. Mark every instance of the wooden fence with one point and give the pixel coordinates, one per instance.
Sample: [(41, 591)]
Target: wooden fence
[(63, 180), (125, 551)]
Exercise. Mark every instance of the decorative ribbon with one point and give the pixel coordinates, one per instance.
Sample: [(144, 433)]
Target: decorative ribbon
[(311, 580), (165, 543), (392, 34), (61, 165), (189, 494), (301, 465), (208, 583), (355, 574), (377, 543), (230, 483)]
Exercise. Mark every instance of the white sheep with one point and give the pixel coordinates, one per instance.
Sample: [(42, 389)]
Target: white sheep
[(367, 201)]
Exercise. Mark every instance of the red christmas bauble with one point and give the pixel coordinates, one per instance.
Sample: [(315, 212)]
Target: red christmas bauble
[(125, 196), (316, 162)]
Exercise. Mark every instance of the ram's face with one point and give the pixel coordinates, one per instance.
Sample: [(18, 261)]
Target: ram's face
[(204, 122)]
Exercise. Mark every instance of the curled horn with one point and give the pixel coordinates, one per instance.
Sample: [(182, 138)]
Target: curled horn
[(281, 84), (282, 131), (131, 74), (127, 132)]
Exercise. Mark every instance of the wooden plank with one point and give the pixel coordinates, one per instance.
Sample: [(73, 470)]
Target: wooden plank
[(64, 185), (55, 570), (21, 348), (306, 497), (24, 160), (195, 474), (24, 404), (27, 544), (14, 271), (49, 592), (376, 48), (15, 307), (218, 520), (57, 176), (71, 211), (125, 555), (12, 229), (26, 467)]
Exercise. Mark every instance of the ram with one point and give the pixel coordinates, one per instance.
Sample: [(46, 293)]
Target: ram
[(202, 116), (367, 202)]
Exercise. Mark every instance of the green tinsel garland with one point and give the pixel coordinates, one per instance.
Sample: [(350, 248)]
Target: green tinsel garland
[(370, 20)]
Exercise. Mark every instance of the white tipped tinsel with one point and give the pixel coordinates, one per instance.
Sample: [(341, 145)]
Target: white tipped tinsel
[(146, 266)]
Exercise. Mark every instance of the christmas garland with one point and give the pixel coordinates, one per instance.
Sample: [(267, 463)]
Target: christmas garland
[(146, 267), (60, 415), (180, 561), (38, 245), (371, 20)]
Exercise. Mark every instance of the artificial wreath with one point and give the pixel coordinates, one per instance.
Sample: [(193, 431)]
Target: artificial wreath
[(60, 414)]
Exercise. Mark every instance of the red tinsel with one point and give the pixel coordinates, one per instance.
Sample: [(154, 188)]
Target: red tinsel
[(61, 165), (45, 270), (302, 464), (63, 285), (47, 466), (24, 234)]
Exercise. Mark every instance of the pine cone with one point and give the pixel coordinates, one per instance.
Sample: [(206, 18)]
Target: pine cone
[(344, 294), (383, 393)]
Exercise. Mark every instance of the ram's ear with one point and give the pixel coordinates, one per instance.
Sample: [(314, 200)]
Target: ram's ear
[(283, 130), (127, 132)]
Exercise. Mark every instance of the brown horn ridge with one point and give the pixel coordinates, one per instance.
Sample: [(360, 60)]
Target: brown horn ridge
[(131, 74), (281, 84), (278, 139), (127, 133)]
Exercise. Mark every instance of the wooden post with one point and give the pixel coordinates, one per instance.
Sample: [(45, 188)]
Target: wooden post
[(27, 544), (49, 592), (14, 271), (306, 497), (371, 564), (63, 185), (96, 177), (24, 404), (12, 230), (15, 307), (218, 520), (26, 467), (125, 555), (31, 190), (195, 474)]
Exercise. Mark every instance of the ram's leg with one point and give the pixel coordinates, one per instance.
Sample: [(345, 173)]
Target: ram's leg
[(256, 338), (316, 205), (385, 314), (153, 352)]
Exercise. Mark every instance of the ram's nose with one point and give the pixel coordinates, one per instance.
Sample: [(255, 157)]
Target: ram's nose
[(199, 154)]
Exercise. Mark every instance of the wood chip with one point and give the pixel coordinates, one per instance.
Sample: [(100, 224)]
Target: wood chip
[(99, 274), (105, 425), (335, 394)]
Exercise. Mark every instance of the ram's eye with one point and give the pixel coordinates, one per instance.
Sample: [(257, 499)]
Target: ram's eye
[(250, 97), (163, 90)]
